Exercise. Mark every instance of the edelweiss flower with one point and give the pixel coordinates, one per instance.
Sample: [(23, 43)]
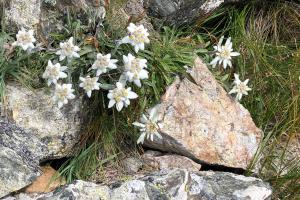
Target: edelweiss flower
[(224, 53), (104, 63), (54, 72), (68, 49), (25, 39), (134, 69), (138, 36), (240, 88), (63, 93), (89, 84), (120, 96), (148, 126)]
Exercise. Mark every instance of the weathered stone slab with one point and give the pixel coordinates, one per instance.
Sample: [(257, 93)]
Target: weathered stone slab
[(182, 12), (164, 185), (18, 162), (201, 121), (36, 113)]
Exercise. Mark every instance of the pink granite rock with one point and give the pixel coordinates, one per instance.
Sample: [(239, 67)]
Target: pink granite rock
[(201, 121)]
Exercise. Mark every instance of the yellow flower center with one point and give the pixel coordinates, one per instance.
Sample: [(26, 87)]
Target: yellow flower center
[(103, 62), (54, 72), (25, 38), (151, 127), (89, 84), (242, 88), (225, 53), (120, 94), (138, 36), (135, 67), (68, 48), (62, 93)]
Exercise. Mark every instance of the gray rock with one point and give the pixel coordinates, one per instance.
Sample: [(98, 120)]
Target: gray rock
[(180, 12), (164, 185), (23, 13), (79, 190), (132, 165), (46, 16), (18, 162), (201, 121), (32, 130), (170, 161), (36, 113)]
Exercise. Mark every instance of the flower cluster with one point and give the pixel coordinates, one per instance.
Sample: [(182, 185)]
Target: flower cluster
[(134, 68), (223, 56)]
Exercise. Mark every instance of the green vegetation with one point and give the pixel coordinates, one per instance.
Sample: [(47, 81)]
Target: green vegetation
[(266, 34)]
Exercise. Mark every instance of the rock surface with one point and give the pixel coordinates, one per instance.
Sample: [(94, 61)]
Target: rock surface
[(170, 161), (180, 12), (201, 121), (47, 15), (36, 113), (32, 130), (163, 185), (18, 162), (132, 165)]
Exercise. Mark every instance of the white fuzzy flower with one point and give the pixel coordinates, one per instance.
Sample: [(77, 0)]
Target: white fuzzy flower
[(134, 69), (224, 53), (68, 50), (120, 96), (89, 84), (25, 39), (54, 72), (63, 93), (104, 63), (240, 88), (138, 36), (148, 126)]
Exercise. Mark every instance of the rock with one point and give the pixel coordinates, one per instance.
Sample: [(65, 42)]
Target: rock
[(170, 161), (18, 162), (181, 12), (46, 182), (132, 165), (121, 13), (201, 121), (168, 184), (23, 13), (36, 113), (47, 16), (79, 190)]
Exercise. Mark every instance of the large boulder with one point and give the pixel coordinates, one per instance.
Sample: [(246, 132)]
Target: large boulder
[(33, 130), (180, 12), (201, 121), (175, 184), (35, 112), (19, 158)]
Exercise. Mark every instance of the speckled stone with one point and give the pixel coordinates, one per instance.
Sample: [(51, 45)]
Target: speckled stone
[(18, 162), (45, 16), (180, 12), (164, 185), (170, 161), (36, 113), (23, 13), (201, 121)]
